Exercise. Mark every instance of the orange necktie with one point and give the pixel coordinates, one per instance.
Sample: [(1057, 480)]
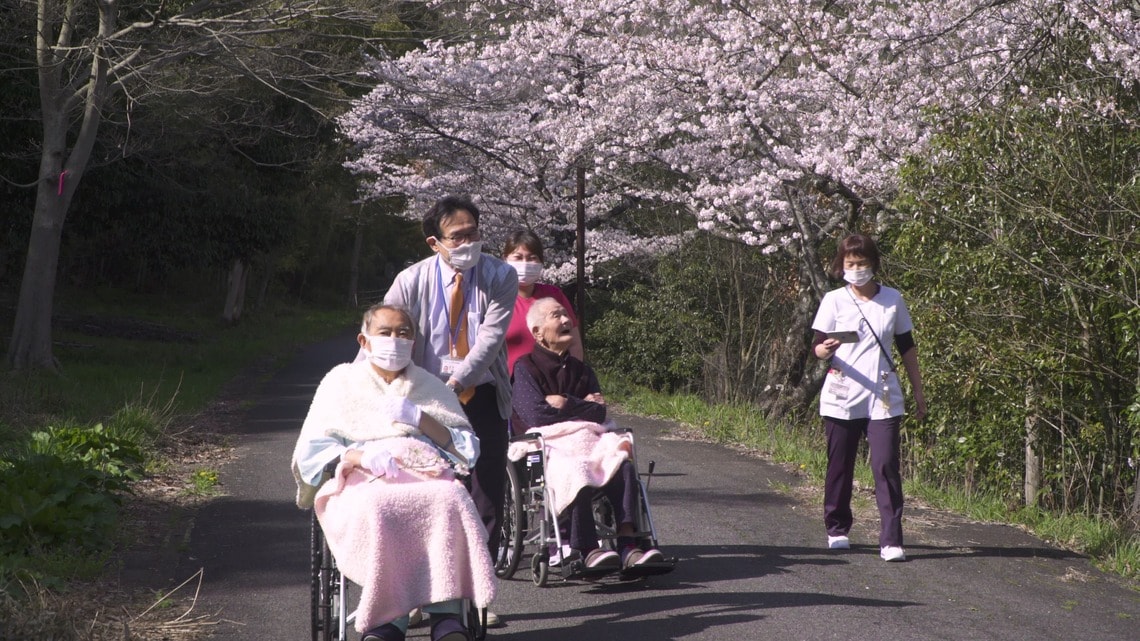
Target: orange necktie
[(458, 319)]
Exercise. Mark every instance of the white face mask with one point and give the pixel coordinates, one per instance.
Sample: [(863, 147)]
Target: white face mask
[(858, 277), (389, 352), (529, 272), (464, 256)]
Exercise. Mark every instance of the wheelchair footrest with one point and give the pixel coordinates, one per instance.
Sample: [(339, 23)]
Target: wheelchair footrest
[(571, 568)]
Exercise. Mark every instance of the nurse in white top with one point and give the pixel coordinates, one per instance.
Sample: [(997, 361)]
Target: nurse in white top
[(855, 328)]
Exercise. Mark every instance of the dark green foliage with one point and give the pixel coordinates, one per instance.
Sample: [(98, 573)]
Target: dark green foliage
[(119, 459), (699, 319), (50, 502), (1019, 262), (64, 492), (655, 337)]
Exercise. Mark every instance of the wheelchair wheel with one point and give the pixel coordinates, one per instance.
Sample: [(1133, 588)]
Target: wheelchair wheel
[(315, 560), (476, 621), (325, 626), (512, 530), (605, 523), (539, 569)]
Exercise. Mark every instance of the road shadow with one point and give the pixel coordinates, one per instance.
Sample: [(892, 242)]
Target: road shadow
[(259, 543), (672, 616)]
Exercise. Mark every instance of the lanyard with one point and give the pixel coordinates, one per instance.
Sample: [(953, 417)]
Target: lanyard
[(886, 354), (453, 331)]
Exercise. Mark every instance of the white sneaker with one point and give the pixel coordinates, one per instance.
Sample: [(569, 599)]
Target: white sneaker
[(493, 620), (892, 553), (838, 543)]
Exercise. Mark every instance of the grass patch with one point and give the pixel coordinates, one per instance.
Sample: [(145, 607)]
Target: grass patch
[(129, 370), (145, 382), (203, 483), (1114, 547), (735, 424)]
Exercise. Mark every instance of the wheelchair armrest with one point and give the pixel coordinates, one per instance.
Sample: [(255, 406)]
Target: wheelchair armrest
[(329, 471), (526, 436)]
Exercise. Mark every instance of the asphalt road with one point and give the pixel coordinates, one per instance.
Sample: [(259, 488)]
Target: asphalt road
[(752, 563)]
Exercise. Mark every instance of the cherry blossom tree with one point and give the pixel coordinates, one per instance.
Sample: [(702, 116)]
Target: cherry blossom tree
[(739, 105), (781, 124), (505, 118)]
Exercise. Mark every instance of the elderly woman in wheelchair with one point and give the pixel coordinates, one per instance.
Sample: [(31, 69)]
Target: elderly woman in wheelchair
[(396, 519), (558, 402)]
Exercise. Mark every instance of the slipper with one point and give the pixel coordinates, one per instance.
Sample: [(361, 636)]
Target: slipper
[(599, 559), (638, 563)]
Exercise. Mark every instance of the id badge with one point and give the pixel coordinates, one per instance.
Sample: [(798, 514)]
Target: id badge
[(838, 386), (449, 365)]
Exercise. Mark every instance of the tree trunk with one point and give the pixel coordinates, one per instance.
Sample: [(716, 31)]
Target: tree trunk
[(235, 296), (31, 343), (795, 375), (59, 175), (354, 266), (1136, 499), (580, 247), (1032, 455)]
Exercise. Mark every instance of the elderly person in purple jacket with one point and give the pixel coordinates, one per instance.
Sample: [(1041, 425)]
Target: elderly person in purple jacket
[(551, 386)]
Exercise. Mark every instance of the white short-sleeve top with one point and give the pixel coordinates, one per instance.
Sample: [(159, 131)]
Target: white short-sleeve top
[(855, 387)]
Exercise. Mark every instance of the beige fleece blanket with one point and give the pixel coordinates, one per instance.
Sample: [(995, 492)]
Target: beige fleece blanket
[(578, 454), (348, 402)]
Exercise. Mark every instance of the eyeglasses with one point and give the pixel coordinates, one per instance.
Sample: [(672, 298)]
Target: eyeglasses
[(459, 239)]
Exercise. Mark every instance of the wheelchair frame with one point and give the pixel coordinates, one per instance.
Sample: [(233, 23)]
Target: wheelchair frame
[(528, 519), (328, 591)]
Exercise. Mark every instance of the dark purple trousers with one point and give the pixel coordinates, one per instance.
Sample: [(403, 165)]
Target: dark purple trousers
[(843, 437), (490, 472), (622, 491)]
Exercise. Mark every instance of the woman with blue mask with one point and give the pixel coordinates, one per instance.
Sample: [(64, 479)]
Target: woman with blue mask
[(523, 251), (855, 327)]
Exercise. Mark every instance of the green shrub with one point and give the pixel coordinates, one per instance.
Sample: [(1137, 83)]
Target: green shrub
[(64, 493), (53, 502), (659, 341), (119, 458)]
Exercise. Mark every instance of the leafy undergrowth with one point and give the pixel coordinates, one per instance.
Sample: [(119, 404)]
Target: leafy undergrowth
[(104, 464)]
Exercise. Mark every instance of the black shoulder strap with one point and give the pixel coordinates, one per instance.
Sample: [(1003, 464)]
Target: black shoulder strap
[(859, 307)]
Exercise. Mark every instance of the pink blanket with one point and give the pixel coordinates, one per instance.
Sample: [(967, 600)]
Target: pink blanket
[(406, 541), (578, 454)]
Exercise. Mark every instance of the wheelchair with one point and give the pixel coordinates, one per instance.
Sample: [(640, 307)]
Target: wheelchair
[(329, 591), (529, 522)]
